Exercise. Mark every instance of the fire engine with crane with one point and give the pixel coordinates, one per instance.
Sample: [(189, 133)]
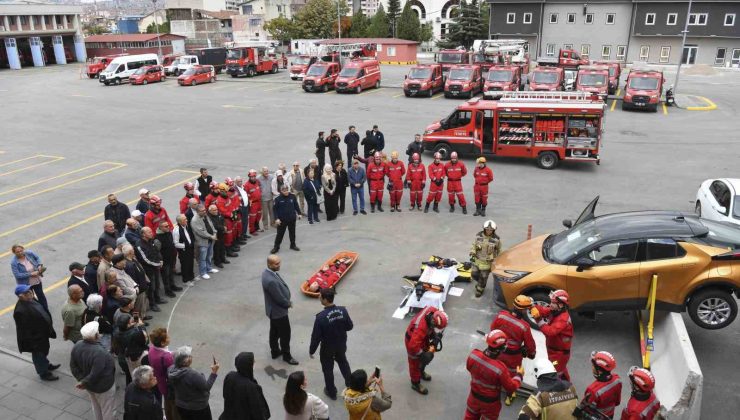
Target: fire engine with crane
[(490, 52), (250, 61), (547, 126), (449, 58)]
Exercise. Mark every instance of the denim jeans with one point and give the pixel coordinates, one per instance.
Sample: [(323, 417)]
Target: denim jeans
[(205, 253), (313, 211), (355, 193)]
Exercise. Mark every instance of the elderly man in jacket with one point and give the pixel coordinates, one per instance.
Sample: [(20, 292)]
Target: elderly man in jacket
[(94, 368), (34, 328), (117, 212), (277, 303), (265, 180), (357, 178), (204, 234), (286, 212), (140, 402), (294, 179)]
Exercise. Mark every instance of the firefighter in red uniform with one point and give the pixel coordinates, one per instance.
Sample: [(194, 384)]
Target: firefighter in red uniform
[(190, 192), (416, 178), (520, 342), (557, 327), (376, 171), (423, 338), (236, 214), (211, 198), (252, 187), (156, 214), (224, 204), (643, 404), (455, 171), (436, 183), (483, 176), (605, 393), (488, 374), (395, 170)]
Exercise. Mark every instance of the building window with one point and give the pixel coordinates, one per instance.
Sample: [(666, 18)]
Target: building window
[(606, 51), (621, 52), (698, 19), (719, 59), (511, 18), (58, 20), (567, 46), (553, 18), (585, 50), (550, 50), (247, 9), (390, 51), (672, 19), (47, 20), (730, 19), (611, 18), (11, 20), (527, 18), (36, 21), (254, 22), (443, 30), (24, 20), (649, 18), (665, 54), (589, 19), (644, 52), (571, 18)]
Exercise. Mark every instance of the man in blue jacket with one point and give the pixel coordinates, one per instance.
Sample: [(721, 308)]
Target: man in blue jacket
[(357, 179), (277, 303), (330, 330), (286, 210)]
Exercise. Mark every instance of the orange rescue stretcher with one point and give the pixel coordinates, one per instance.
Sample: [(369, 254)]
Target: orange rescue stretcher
[(330, 273)]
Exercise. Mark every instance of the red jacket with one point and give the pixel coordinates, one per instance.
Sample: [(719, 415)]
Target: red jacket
[(395, 171), (558, 331), (641, 410), (517, 330), (416, 173), (483, 176), (436, 171), (488, 376), (152, 220), (253, 191), (225, 206), (418, 332), (605, 395), (376, 172), (455, 171), (210, 198), (184, 203)]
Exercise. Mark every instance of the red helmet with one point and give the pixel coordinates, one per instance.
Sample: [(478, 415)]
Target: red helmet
[(559, 296), (496, 339), (603, 360), (252, 172), (437, 156), (189, 186), (155, 200), (376, 155), (228, 181), (453, 155), (415, 157), (439, 319), (213, 185), (642, 379)]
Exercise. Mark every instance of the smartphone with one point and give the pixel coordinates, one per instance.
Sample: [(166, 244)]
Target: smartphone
[(376, 374), (214, 359)]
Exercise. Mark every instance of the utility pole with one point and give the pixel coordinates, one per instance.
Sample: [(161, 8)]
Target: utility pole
[(339, 29), (683, 47), (156, 25)]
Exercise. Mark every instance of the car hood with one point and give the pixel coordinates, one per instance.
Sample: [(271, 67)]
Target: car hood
[(526, 256), (642, 92), (297, 68)]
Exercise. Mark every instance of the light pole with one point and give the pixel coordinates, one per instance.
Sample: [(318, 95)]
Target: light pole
[(683, 46), (156, 25), (339, 31)]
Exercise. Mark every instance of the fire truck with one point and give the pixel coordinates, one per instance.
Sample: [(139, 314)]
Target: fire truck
[(565, 58), (99, 63), (615, 72), (643, 89), (501, 79), (449, 58), (547, 126), (544, 78), (463, 80), (299, 66), (250, 61), (594, 79), (424, 79), (501, 51)]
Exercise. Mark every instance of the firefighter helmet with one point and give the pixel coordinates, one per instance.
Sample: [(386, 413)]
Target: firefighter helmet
[(228, 181), (453, 155), (523, 302), (223, 187), (437, 155), (376, 155), (394, 154), (489, 224), (642, 379), (439, 319), (214, 185), (496, 339), (559, 296), (603, 360), (155, 200), (543, 366), (415, 157), (480, 160), (252, 172), (189, 186)]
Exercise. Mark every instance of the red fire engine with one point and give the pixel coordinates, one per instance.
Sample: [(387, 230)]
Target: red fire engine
[(547, 126), (99, 63), (594, 79), (449, 58), (250, 61)]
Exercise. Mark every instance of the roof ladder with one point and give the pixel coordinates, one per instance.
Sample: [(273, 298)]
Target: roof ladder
[(545, 95)]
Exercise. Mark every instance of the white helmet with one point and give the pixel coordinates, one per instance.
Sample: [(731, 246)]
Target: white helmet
[(543, 367), (489, 224)]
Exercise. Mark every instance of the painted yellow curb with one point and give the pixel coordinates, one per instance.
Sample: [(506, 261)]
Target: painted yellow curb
[(710, 105)]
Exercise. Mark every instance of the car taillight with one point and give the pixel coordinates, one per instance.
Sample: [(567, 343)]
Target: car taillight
[(732, 255)]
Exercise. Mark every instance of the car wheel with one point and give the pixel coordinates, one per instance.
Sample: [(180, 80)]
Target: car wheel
[(274, 69), (92, 76), (325, 88), (213, 79), (144, 82), (431, 93), (193, 83), (548, 160), (624, 105), (444, 150), (712, 309), (358, 89), (697, 208), (234, 76), (541, 298), (106, 83), (377, 84)]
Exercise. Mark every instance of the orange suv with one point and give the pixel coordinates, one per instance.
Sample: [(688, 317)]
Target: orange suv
[(606, 263)]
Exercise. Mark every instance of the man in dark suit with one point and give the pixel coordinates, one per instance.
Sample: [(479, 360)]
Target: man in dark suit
[(330, 330), (91, 269), (286, 212), (77, 277), (277, 303), (34, 328)]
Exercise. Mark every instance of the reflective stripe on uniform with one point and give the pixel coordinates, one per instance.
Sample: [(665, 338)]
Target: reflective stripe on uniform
[(601, 391), (485, 385), (513, 321), (486, 363), (650, 406)]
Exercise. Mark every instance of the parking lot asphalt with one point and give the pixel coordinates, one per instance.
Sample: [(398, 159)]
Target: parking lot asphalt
[(70, 141)]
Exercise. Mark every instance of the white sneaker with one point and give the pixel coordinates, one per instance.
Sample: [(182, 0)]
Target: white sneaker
[(205, 276), (213, 270)]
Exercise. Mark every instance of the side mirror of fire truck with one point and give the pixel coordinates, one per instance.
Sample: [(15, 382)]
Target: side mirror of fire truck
[(443, 123), (568, 223)]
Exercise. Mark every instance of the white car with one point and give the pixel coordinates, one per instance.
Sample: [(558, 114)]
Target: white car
[(719, 199)]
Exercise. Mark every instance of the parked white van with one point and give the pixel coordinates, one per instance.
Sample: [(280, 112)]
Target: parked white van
[(121, 68)]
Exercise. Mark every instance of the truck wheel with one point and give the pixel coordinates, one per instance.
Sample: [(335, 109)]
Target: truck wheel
[(697, 208), (547, 160), (358, 89), (116, 81), (106, 83), (712, 309), (444, 150), (654, 108), (251, 72), (92, 76), (274, 69)]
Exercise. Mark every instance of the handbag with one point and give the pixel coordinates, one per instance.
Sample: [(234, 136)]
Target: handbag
[(319, 197)]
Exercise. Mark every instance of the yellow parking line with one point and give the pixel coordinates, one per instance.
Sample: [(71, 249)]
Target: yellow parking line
[(665, 109), (64, 184), (710, 105), (54, 159), (20, 160), (368, 92), (439, 95), (85, 203), (398, 96), (614, 103), (45, 180), (236, 107)]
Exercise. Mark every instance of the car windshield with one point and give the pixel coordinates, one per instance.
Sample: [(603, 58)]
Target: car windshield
[(449, 58), (111, 67), (316, 71), (234, 54), (190, 71), (479, 58), (141, 70), (644, 83), (499, 75), (420, 73), (567, 244), (301, 60), (349, 72), (97, 60), (545, 77), (460, 74), (592, 80), (721, 235)]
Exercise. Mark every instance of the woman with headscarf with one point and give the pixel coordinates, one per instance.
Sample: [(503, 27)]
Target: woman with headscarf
[(243, 397), (302, 405), (329, 185)]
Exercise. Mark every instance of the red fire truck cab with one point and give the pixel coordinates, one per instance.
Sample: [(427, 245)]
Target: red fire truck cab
[(424, 80), (321, 76), (593, 79), (547, 126), (501, 79), (487, 60), (565, 58), (300, 65), (547, 79), (250, 61), (615, 72), (449, 58), (357, 75), (99, 63), (463, 81), (643, 89)]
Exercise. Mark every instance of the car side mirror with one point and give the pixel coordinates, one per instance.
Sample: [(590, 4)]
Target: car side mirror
[(568, 223), (722, 209), (443, 123), (584, 263)]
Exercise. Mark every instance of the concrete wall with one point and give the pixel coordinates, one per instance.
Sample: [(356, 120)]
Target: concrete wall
[(706, 53), (404, 54), (212, 5)]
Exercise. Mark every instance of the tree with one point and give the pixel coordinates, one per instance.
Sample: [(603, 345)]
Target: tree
[(360, 23), (468, 25), (408, 24), (426, 33), (394, 10), (378, 24), (317, 19), (164, 28), (280, 28), (95, 29)]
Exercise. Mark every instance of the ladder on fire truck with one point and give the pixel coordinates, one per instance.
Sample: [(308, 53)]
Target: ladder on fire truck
[(347, 48), (546, 96)]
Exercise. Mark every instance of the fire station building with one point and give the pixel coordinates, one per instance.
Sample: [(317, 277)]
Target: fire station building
[(34, 33), (108, 44)]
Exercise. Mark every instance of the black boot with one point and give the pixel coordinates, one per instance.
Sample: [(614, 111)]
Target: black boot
[(426, 208), (380, 206), (477, 209), (372, 207), (398, 208), (412, 207), (483, 211), (452, 208), (393, 208), (465, 209), (436, 207), (418, 206)]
